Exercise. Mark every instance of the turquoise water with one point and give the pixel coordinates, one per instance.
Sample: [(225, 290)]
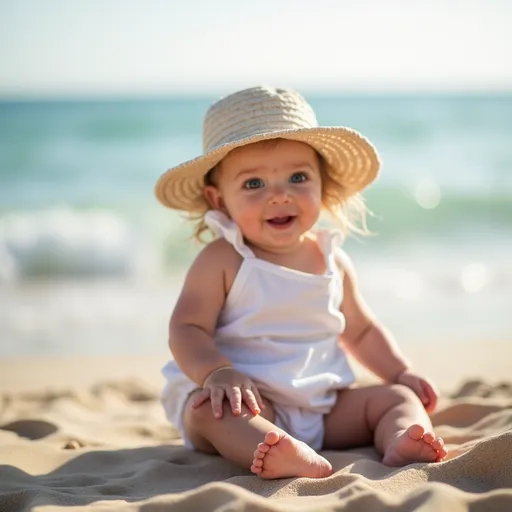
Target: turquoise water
[(78, 218)]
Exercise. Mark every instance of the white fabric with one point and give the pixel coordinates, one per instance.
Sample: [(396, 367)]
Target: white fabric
[(280, 327)]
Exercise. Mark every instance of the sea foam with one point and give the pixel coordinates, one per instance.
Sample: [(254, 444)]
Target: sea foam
[(69, 243)]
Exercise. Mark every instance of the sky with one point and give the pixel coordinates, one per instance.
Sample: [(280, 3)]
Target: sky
[(153, 47)]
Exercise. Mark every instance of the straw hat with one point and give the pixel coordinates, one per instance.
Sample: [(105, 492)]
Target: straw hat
[(262, 113)]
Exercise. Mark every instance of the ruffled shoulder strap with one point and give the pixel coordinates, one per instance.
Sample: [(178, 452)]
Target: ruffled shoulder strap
[(330, 241), (224, 227)]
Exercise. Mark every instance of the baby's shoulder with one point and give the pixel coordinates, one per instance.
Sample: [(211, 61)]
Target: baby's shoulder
[(217, 261), (219, 255)]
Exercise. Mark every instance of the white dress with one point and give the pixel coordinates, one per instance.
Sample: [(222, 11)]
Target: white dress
[(280, 327)]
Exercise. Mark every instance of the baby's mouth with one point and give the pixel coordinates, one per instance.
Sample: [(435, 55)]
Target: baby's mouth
[(281, 221)]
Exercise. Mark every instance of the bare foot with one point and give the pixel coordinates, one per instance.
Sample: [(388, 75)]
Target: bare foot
[(282, 456), (414, 445)]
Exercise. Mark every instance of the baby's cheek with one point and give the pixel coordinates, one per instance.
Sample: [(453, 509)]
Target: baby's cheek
[(310, 192), (247, 216), (240, 205), (310, 202), (256, 198)]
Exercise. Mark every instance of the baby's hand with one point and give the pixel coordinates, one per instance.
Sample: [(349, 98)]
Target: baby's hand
[(425, 390), (233, 385)]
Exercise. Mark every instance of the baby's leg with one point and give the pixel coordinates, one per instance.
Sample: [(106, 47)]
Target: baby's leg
[(390, 416), (277, 454)]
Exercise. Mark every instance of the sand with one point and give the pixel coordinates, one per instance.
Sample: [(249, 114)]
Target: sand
[(89, 433)]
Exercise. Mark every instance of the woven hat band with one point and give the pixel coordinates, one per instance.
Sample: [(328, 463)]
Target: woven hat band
[(255, 111)]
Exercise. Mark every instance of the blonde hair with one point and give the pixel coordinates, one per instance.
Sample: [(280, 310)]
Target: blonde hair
[(348, 213)]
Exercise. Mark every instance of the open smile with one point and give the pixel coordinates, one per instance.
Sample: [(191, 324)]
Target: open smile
[(281, 222)]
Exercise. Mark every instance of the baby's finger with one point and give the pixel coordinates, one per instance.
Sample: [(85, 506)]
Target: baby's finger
[(217, 398), (418, 389), (235, 400), (257, 395), (430, 407), (250, 399), (432, 397), (429, 389), (200, 398)]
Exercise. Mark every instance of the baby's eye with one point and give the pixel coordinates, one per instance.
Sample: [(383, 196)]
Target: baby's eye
[(298, 177), (253, 183)]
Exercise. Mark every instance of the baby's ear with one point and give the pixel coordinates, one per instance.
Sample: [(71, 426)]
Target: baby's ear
[(214, 198)]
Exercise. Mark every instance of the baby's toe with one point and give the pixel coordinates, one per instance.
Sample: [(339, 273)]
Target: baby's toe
[(428, 437), (441, 453), (441, 456), (258, 463), (415, 432), (272, 438), (258, 454), (263, 447), (256, 469), (437, 443)]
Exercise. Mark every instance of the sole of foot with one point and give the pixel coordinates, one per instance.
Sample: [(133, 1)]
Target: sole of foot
[(282, 456), (414, 445)]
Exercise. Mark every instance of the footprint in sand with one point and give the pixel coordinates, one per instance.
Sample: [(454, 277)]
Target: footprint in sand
[(30, 429)]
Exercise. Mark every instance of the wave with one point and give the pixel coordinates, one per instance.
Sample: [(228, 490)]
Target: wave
[(63, 242), (441, 247)]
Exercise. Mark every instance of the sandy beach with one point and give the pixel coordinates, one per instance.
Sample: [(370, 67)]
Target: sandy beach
[(89, 433)]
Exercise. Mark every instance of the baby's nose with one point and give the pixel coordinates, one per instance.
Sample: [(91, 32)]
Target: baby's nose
[(279, 194)]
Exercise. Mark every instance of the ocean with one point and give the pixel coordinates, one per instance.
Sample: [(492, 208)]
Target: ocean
[(90, 263)]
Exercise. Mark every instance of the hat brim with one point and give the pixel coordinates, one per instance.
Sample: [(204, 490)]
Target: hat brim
[(351, 158)]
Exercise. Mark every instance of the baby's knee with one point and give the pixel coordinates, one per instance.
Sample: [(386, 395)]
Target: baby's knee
[(196, 424), (196, 416), (398, 394)]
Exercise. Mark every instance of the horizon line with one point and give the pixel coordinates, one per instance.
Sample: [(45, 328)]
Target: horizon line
[(216, 93)]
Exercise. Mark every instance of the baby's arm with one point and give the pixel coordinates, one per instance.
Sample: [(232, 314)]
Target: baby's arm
[(192, 327), (195, 315), (373, 345)]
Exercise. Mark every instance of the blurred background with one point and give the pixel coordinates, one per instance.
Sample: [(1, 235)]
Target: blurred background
[(99, 97)]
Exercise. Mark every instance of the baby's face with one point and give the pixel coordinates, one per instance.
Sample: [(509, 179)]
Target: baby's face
[(272, 190)]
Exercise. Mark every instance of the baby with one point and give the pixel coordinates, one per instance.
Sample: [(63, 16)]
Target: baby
[(270, 307)]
